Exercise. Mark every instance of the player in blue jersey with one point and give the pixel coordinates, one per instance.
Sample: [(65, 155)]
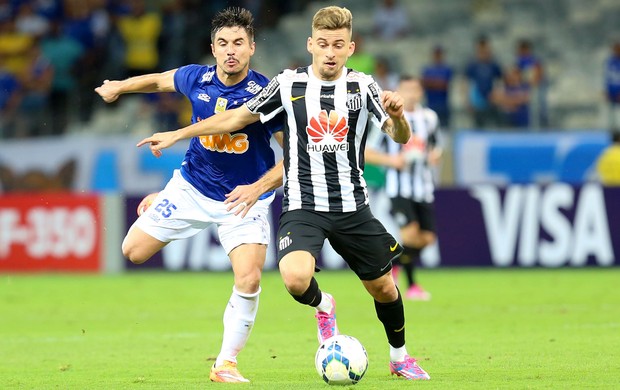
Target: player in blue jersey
[(213, 166)]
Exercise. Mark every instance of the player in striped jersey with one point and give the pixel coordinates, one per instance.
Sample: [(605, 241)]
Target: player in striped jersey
[(409, 180), (329, 109), (213, 166)]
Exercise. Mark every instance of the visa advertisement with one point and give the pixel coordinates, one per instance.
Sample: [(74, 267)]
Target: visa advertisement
[(529, 225)]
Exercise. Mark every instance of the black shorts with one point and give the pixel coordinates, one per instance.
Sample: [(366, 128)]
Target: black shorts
[(406, 211), (357, 236)]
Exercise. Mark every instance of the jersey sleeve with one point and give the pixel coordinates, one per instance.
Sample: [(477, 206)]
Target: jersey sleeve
[(432, 119), (185, 77), (377, 114), (268, 102)]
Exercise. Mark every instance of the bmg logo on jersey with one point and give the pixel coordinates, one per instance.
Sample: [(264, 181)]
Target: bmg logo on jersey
[(327, 133), (226, 143)]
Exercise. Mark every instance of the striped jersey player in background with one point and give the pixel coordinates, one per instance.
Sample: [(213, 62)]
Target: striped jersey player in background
[(409, 180), (329, 110), (213, 166)]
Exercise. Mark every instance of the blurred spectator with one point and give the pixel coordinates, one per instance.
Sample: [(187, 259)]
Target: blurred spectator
[(49, 9), (171, 41), (10, 97), (533, 75), (482, 73), (436, 78), (64, 54), (385, 76), (612, 85), (29, 22), (361, 60), (14, 46), (391, 21), (513, 99), (85, 23), (140, 31), (608, 164), (6, 11), (36, 81), (166, 109)]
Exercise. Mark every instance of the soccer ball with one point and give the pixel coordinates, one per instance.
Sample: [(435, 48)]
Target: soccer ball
[(341, 360)]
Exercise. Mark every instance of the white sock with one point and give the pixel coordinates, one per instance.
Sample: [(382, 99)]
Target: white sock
[(238, 322), (326, 303), (398, 354)]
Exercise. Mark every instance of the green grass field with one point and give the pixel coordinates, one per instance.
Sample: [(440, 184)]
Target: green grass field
[(484, 329)]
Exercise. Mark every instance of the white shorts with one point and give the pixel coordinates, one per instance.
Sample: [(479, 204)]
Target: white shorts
[(180, 211)]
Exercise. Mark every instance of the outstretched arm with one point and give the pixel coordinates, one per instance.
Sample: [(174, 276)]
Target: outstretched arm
[(110, 90), (397, 126), (245, 196), (396, 161), (225, 122)]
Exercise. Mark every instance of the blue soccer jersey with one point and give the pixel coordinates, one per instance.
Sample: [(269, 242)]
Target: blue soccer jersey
[(216, 164)]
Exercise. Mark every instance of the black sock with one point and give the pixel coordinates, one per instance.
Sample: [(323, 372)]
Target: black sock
[(392, 315), (312, 296), (414, 255)]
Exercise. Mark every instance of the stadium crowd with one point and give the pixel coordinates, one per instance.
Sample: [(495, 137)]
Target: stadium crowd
[(53, 53)]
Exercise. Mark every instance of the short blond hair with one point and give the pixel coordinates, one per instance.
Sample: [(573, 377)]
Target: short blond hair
[(332, 18)]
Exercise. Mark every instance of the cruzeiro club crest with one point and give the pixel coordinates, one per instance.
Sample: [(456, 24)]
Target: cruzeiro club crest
[(327, 133)]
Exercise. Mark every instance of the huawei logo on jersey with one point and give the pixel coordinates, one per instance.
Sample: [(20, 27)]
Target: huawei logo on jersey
[(327, 133)]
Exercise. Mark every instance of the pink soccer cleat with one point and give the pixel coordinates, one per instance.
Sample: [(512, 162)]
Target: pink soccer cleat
[(417, 293), (327, 322), (409, 369)]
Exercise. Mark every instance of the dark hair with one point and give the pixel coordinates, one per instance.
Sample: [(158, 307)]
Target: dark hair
[(615, 136), (233, 17)]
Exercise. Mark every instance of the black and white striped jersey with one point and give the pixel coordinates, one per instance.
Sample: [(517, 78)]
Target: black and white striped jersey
[(324, 137), (416, 180)]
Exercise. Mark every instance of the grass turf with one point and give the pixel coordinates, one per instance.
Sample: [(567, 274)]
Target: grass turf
[(483, 329)]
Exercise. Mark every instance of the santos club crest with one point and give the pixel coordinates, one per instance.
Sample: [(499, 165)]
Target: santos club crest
[(327, 133)]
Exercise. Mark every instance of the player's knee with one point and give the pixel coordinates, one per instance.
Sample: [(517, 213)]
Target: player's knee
[(382, 290), (296, 278), (248, 283), (294, 283), (132, 254)]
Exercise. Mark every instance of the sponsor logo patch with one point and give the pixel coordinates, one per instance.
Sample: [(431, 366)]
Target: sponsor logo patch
[(354, 101), (206, 78), (263, 95), (220, 105), (327, 133)]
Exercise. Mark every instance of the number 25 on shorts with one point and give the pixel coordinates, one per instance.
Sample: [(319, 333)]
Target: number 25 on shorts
[(165, 208)]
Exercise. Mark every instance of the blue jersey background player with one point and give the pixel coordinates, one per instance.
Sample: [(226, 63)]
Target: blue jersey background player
[(213, 166), (212, 163)]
